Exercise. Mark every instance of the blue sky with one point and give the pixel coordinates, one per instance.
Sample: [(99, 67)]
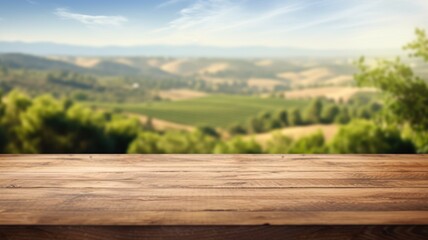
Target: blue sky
[(318, 24)]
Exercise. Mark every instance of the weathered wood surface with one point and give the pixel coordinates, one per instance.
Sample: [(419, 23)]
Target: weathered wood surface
[(199, 196), (325, 232), (213, 189)]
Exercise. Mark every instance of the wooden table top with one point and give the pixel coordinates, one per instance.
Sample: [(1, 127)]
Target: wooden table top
[(144, 190)]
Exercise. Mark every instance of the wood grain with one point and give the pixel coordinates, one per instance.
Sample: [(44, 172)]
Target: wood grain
[(212, 189), (201, 196), (354, 232)]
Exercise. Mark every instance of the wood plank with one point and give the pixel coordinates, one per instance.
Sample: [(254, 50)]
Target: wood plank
[(212, 157), (214, 233), (171, 175), (295, 167), (146, 190), (213, 184), (211, 218), (184, 159)]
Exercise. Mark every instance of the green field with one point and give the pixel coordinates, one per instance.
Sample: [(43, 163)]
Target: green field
[(215, 110)]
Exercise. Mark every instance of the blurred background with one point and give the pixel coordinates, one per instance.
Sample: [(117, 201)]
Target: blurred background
[(214, 76)]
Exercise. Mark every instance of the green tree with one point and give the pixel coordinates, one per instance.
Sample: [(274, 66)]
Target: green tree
[(418, 138), (330, 113), (364, 113), (237, 130), (343, 117), (279, 144), (362, 136), (3, 139), (209, 131), (238, 145), (267, 122), (311, 144), (3, 132), (282, 117), (314, 110), (418, 47), (173, 142), (14, 105), (295, 118), (49, 125), (256, 125), (44, 127), (186, 142), (146, 142), (122, 132), (87, 131), (405, 94)]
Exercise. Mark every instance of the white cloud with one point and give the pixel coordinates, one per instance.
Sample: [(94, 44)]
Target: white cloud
[(229, 22), (90, 19), (265, 16), (201, 13), (219, 15), (338, 19), (321, 24)]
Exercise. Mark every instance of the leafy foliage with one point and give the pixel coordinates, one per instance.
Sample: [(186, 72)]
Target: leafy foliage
[(279, 144), (362, 136), (405, 94), (238, 145), (319, 111), (311, 144), (419, 47), (47, 125)]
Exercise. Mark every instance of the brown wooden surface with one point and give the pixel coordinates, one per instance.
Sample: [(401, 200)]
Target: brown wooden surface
[(213, 189), (351, 232)]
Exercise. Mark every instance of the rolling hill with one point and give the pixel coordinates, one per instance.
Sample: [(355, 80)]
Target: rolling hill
[(98, 66), (18, 60)]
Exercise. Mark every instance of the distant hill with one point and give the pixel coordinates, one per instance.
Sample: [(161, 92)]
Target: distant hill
[(46, 48), (258, 73), (18, 60), (114, 68), (153, 78), (102, 66)]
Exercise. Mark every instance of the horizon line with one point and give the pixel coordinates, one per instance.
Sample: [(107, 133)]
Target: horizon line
[(192, 45)]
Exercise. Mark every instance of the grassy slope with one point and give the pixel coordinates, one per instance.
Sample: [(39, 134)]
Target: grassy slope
[(329, 132), (215, 110)]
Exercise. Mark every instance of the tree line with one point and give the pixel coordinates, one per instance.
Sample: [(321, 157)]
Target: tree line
[(48, 125), (319, 111), (92, 87)]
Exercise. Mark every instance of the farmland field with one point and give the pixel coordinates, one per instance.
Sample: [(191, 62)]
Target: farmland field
[(329, 131), (215, 110)]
